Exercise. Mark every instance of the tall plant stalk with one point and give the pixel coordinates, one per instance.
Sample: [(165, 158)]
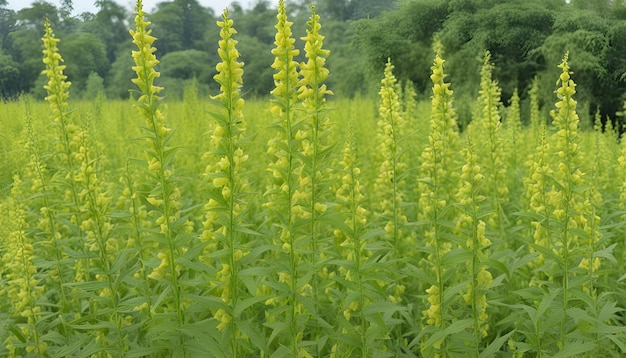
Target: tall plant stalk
[(165, 195), (226, 204), (286, 166)]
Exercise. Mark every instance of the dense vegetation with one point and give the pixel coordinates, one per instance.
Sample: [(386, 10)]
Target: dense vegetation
[(526, 40), (308, 224)]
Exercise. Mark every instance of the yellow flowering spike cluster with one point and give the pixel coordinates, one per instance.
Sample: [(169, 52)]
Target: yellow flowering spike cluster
[(22, 288), (312, 89), (165, 196), (350, 199), (168, 197), (145, 63), (621, 160), (129, 201), (433, 314), (286, 79), (574, 207), (478, 300), (226, 158), (349, 194), (470, 196), (312, 92), (388, 184), (93, 199), (285, 168), (227, 161), (566, 120), (57, 87), (230, 71), (37, 174), (438, 160), (491, 151), (539, 195)]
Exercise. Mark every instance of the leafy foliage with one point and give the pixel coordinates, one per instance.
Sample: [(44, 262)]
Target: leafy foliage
[(362, 237)]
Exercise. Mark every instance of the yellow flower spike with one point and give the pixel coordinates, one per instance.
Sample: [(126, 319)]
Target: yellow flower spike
[(145, 63), (571, 198), (226, 159), (474, 229), (390, 131), (437, 159), (57, 87), (21, 287), (312, 90)]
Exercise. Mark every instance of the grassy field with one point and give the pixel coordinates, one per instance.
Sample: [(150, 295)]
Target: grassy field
[(307, 225)]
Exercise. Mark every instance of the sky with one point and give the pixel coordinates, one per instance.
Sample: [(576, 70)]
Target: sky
[(81, 6)]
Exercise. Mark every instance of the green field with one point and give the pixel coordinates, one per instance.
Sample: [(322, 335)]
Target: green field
[(304, 225)]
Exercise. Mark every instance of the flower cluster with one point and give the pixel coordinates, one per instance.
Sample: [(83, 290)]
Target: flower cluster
[(286, 79), (573, 207), (227, 157), (470, 196), (312, 91), (350, 199), (437, 160), (491, 151), (22, 287), (389, 182), (57, 87), (539, 194)]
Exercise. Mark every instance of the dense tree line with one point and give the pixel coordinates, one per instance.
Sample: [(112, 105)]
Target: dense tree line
[(526, 38), (96, 47)]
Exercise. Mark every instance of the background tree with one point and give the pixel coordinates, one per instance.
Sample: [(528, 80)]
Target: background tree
[(112, 17), (180, 67), (181, 25), (84, 53), (9, 77), (404, 36)]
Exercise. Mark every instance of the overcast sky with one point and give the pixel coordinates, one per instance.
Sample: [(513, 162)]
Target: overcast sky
[(81, 6)]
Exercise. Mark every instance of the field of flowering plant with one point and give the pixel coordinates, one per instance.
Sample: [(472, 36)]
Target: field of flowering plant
[(307, 225)]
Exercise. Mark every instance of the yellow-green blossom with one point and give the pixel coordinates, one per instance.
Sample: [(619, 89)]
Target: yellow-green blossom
[(57, 87), (22, 288), (436, 192), (389, 183)]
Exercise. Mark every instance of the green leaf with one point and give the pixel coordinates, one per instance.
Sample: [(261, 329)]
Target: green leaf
[(619, 341), (246, 303), (495, 346), (575, 348), (454, 328)]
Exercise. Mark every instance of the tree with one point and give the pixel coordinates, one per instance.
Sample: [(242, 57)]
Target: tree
[(8, 24), (94, 86), (120, 76), (259, 23), (84, 53), (585, 34), (512, 31), (404, 36), (257, 59), (9, 77), (112, 17), (188, 64), (180, 25)]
